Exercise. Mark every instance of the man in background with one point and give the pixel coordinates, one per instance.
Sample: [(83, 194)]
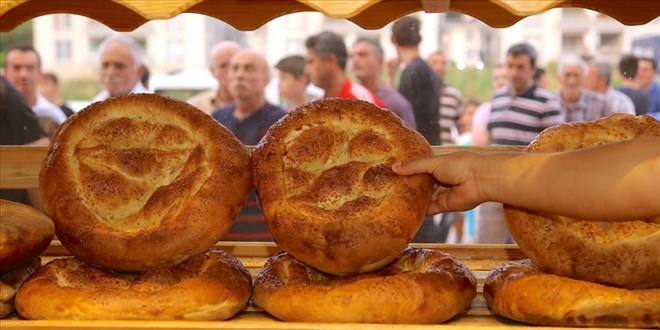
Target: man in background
[(19, 126), (451, 99), (576, 102), (249, 118), (519, 112), (209, 101), (50, 89), (326, 65), (540, 78), (646, 72), (146, 76), (480, 133), (628, 65), (417, 83), (121, 67), (367, 62), (23, 70), (293, 82), (598, 80)]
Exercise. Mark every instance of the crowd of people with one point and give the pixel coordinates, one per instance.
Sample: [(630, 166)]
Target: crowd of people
[(412, 87)]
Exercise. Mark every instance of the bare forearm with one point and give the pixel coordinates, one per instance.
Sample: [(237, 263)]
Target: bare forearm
[(619, 181)]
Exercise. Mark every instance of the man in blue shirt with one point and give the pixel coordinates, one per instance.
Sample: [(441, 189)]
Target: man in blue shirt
[(249, 118), (646, 71)]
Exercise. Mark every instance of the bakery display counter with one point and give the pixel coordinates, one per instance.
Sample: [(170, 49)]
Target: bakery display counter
[(479, 258), (20, 165)]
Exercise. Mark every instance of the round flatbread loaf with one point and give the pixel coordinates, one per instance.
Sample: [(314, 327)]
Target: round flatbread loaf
[(143, 181), (325, 185), (25, 233), (213, 285), (625, 254), (11, 280), (421, 286), (523, 292)]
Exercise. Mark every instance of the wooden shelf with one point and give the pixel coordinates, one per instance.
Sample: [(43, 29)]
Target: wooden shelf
[(479, 258), (20, 165)]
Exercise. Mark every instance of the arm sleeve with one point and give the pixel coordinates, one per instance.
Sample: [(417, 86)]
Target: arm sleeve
[(19, 124)]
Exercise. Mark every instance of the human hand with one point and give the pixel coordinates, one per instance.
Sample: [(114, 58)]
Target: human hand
[(457, 185)]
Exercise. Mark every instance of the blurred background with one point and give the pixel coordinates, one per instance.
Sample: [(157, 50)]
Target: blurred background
[(177, 49)]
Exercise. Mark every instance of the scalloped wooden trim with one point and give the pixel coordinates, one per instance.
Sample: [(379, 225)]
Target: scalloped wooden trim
[(127, 15)]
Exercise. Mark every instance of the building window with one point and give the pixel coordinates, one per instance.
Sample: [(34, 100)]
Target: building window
[(572, 13), (174, 51), (63, 50), (572, 43), (453, 17), (62, 22), (610, 41)]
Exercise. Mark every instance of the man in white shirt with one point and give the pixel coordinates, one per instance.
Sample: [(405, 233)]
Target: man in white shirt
[(121, 67), (598, 79), (23, 70)]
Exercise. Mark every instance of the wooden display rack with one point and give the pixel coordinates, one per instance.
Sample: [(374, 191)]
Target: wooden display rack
[(19, 166)]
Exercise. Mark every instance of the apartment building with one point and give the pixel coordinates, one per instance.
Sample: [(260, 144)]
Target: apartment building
[(69, 43)]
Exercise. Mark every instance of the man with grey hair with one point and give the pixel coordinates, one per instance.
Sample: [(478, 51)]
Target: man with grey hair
[(599, 75), (326, 66), (249, 118), (367, 61), (121, 67), (250, 115), (210, 100), (577, 103)]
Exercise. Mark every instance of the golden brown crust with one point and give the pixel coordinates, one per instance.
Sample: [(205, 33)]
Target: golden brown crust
[(420, 286), (24, 234), (625, 254), (521, 291), (11, 280), (326, 189), (143, 181), (213, 285)]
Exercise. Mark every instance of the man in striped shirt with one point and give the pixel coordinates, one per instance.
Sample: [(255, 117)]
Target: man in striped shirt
[(578, 103), (326, 66), (521, 111)]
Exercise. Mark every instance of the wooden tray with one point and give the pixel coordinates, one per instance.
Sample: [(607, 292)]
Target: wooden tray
[(480, 259)]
